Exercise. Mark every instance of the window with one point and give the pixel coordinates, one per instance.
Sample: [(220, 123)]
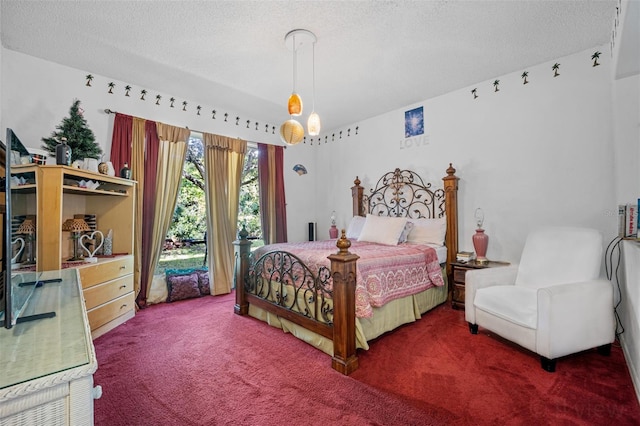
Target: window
[(185, 244)]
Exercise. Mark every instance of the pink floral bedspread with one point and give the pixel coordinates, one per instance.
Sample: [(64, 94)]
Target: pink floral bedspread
[(384, 273)]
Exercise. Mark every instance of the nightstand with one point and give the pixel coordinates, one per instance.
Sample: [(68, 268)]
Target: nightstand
[(459, 270)]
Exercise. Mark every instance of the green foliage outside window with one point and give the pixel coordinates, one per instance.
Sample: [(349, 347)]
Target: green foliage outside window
[(189, 219)]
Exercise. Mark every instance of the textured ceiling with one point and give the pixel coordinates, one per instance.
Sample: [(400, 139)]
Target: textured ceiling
[(371, 56)]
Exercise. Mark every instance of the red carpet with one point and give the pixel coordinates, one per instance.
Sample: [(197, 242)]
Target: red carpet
[(196, 363)]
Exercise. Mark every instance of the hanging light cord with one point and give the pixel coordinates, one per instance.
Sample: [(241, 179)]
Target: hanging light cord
[(313, 76), (295, 64)]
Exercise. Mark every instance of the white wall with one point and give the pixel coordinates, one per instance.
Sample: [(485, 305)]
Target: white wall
[(626, 121), (528, 155), (37, 95)]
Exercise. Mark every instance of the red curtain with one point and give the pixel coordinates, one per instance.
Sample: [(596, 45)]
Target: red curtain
[(120, 154), (273, 211), (121, 141), (152, 144), (281, 205)]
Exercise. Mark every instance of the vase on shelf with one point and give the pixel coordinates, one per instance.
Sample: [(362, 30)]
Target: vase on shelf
[(480, 239), (63, 153), (107, 247), (125, 172)]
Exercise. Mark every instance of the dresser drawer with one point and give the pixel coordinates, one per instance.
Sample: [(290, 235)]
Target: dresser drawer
[(458, 293), (102, 293), (458, 274), (109, 311), (105, 270)]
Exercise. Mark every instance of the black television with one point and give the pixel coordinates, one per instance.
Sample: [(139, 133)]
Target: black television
[(6, 319), (15, 288)]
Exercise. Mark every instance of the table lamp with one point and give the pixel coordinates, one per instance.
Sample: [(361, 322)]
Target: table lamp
[(333, 231), (76, 226), (480, 239), (27, 228)]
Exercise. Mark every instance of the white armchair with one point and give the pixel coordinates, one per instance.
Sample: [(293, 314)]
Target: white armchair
[(553, 302)]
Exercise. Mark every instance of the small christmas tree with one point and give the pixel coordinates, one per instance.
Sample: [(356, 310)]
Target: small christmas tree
[(80, 138)]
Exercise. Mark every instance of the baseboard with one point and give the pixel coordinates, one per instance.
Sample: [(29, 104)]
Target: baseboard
[(634, 369), (112, 324)]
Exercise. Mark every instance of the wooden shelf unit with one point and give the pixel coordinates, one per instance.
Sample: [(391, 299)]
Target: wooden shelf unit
[(57, 199), (51, 194)]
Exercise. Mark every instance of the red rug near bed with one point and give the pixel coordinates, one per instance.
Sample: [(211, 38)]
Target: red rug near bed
[(196, 363)]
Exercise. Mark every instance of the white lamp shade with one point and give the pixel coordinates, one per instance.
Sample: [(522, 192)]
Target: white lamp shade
[(291, 132), (313, 124)]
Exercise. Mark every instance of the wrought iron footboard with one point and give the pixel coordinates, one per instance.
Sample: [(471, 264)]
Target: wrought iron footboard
[(282, 279)]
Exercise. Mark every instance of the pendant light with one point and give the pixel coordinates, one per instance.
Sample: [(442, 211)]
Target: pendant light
[(295, 102), (291, 131), (313, 123)]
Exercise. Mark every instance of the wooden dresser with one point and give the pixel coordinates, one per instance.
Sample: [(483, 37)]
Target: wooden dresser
[(108, 293)]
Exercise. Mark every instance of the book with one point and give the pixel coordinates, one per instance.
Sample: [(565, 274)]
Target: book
[(465, 256), (631, 222)]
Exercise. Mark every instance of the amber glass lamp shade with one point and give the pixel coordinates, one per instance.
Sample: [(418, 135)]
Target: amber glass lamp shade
[(295, 104), (291, 132), (313, 124)]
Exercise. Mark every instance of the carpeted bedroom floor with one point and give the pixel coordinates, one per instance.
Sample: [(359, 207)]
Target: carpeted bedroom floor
[(194, 362)]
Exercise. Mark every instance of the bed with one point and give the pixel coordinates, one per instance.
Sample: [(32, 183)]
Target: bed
[(340, 300)]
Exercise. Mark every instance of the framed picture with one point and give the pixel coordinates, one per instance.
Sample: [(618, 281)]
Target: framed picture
[(414, 122)]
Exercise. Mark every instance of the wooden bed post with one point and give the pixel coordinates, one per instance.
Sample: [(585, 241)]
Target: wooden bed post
[(343, 272), (451, 210), (242, 251), (356, 194)]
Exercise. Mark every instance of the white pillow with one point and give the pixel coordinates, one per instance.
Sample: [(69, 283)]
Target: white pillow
[(355, 227), (382, 230), (428, 231)]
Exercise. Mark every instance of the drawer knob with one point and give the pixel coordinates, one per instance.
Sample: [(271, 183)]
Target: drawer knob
[(123, 286), (123, 306), (97, 392), (123, 267)]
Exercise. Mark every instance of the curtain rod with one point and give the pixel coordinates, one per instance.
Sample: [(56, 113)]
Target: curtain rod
[(110, 111)]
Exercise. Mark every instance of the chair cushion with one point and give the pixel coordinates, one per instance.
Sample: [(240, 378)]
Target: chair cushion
[(558, 255), (516, 304)]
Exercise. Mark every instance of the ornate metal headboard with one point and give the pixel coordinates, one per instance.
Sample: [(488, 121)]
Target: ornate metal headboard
[(402, 193)]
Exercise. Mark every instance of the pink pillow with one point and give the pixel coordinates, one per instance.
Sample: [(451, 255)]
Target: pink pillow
[(182, 287)]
